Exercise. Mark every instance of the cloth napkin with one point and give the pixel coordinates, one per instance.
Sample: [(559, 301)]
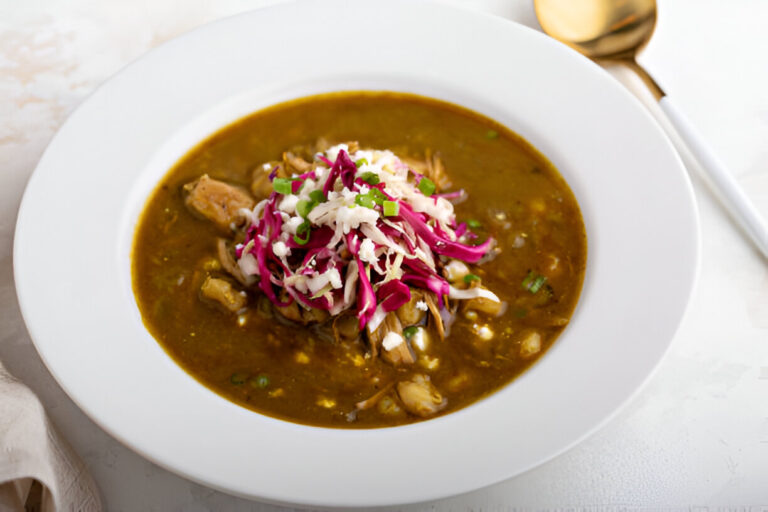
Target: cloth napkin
[(38, 470)]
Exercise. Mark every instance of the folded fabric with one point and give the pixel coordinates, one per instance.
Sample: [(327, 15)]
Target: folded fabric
[(38, 469)]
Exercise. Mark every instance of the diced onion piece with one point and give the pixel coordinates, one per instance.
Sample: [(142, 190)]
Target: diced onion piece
[(392, 340), (472, 293)]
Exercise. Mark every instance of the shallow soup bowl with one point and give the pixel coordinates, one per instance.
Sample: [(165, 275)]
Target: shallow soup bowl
[(76, 225)]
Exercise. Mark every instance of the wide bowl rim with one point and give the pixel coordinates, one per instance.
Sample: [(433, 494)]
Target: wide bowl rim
[(61, 366)]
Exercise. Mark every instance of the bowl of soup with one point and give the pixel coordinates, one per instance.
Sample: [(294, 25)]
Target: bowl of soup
[(464, 297), (299, 272)]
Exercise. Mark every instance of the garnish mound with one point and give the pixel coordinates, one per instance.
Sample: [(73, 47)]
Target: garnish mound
[(357, 231)]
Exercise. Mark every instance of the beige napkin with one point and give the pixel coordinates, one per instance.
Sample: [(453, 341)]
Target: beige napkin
[(38, 470)]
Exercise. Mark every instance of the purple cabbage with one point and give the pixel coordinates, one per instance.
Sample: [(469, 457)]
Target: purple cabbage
[(317, 238), (393, 294), (442, 245)]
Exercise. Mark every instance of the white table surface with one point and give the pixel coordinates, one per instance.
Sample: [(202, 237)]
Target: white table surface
[(696, 437)]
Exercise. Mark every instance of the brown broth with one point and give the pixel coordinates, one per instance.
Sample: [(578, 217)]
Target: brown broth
[(513, 191)]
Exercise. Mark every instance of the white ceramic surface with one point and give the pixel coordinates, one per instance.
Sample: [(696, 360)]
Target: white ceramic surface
[(107, 154)]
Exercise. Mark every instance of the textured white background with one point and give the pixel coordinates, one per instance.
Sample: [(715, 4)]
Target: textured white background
[(695, 438)]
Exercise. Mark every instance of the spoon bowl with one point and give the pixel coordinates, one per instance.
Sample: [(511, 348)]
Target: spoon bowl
[(599, 29), (614, 31)]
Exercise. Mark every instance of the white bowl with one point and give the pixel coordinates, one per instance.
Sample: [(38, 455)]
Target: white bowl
[(78, 215)]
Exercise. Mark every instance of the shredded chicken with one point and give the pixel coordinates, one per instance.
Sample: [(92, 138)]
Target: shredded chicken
[(295, 163), (437, 319), (484, 305), (436, 171), (218, 202), (402, 353), (227, 261), (222, 292)]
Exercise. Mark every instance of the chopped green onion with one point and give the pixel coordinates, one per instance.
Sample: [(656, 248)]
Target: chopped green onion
[(491, 134), (360, 162), (261, 381), (305, 229), (303, 207), (520, 313), (238, 378), (533, 282), (377, 196), (391, 208), (473, 224), (426, 186), (410, 331), (471, 277), (317, 196), (370, 178), (538, 283), (364, 200), (282, 186)]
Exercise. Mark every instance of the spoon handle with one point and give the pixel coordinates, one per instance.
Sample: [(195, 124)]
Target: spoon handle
[(731, 194)]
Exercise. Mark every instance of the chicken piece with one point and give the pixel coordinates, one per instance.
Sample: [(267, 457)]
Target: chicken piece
[(399, 354), (229, 264), (411, 313), (321, 145), (436, 171), (217, 201), (222, 292), (261, 185), (420, 397), (431, 300), (419, 166), (353, 146), (295, 163), (487, 306)]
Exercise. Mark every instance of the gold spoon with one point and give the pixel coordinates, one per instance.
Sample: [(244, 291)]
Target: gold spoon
[(614, 31)]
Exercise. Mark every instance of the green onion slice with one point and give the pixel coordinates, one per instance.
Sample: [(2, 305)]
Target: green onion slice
[(317, 196), (377, 196), (533, 282), (471, 277), (473, 224), (370, 178), (282, 186), (364, 200), (303, 232), (426, 186), (391, 208), (303, 207), (410, 331), (491, 134), (361, 162)]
